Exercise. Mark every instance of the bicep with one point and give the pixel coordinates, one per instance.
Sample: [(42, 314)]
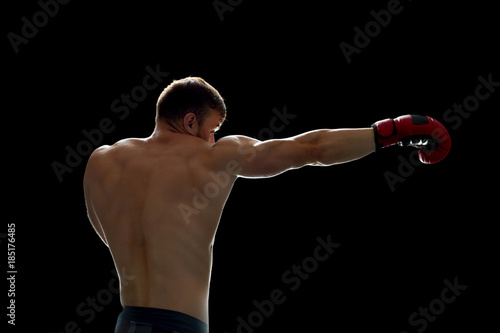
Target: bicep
[(252, 158)]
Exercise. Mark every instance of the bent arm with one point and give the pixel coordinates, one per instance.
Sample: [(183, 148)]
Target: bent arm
[(94, 220), (89, 177), (260, 159)]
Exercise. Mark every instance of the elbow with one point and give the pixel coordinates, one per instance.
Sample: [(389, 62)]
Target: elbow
[(326, 154), (317, 154)]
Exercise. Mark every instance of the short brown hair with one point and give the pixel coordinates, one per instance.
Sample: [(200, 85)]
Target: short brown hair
[(191, 94)]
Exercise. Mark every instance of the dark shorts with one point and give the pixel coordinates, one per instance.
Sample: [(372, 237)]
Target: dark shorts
[(135, 319)]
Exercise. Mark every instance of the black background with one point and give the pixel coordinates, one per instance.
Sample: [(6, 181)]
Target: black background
[(397, 247)]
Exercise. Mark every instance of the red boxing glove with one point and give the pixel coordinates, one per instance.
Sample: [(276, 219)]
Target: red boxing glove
[(422, 132)]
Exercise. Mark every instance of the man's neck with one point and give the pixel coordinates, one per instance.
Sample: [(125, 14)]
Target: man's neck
[(164, 130)]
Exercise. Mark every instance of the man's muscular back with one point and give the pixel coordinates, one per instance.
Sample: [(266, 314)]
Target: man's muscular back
[(134, 191)]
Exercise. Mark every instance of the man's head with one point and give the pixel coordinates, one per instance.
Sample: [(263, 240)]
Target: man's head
[(191, 106)]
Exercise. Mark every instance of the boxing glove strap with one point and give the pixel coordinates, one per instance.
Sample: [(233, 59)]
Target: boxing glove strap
[(385, 133)]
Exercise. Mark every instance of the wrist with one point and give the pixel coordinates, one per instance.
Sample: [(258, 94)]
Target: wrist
[(385, 133)]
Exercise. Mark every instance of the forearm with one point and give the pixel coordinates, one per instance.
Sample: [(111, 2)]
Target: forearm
[(338, 145)]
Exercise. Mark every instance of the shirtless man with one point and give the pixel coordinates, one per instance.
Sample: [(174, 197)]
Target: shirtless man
[(140, 195)]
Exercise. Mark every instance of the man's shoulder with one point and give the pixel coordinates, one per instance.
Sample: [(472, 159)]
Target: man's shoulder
[(105, 155), (96, 161), (120, 146), (233, 141)]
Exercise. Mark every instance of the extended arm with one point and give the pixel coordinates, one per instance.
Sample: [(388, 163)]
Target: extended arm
[(258, 159)]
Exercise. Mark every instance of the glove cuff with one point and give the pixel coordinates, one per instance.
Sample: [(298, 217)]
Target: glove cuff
[(385, 133)]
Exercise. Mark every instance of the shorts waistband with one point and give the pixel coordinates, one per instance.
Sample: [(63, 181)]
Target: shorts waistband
[(164, 319)]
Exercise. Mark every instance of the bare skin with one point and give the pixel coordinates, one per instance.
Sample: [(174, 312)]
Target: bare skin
[(143, 199)]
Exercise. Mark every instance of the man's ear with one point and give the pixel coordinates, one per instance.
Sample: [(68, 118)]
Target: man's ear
[(190, 123)]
